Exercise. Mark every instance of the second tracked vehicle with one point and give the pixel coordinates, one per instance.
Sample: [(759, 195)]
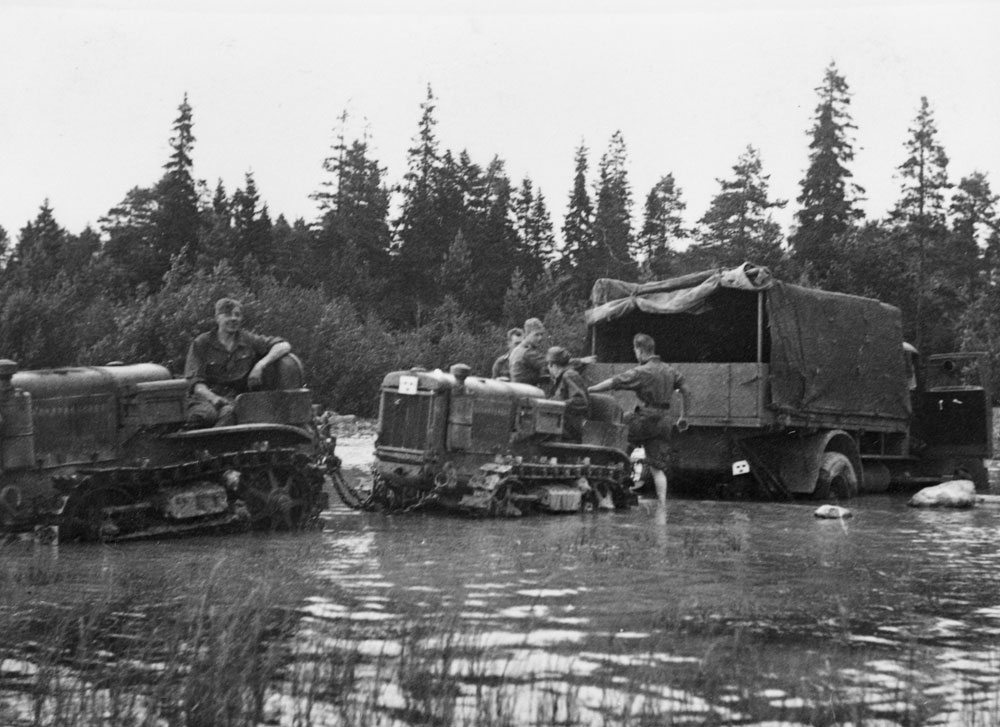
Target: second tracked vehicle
[(481, 446)]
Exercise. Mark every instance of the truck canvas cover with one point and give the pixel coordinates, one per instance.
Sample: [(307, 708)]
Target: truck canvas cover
[(828, 353)]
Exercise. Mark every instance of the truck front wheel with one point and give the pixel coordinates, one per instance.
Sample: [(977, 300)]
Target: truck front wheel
[(836, 477)]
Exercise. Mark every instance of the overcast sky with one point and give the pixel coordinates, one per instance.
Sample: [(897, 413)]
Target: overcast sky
[(89, 91)]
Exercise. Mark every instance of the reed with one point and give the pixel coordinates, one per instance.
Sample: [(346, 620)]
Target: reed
[(230, 644)]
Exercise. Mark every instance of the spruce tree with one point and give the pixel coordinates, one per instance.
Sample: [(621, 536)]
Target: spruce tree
[(5, 248), (921, 212), (421, 242), (354, 205), (974, 225), (40, 249), (536, 241), (455, 274), (217, 239), (738, 226), (828, 198), (251, 229), (130, 252), (612, 217), (577, 230), (333, 185), (177, 218), (152, 226), (494, 248), (663, 224), (541, 240)]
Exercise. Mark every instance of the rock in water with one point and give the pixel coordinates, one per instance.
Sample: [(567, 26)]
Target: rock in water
[(957, 493), (833, 512)]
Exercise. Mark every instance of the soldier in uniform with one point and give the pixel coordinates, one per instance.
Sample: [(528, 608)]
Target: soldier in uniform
[(649, 426), (225, 362), (501, 367), (568, 386), (527, 360)]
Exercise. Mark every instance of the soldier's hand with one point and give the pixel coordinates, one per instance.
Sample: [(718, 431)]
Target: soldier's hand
[(255, 377)]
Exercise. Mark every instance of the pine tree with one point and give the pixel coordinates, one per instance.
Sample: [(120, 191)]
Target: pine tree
[(828, 198), (663, 224), (738, 225), (612, 216), (921, 210)]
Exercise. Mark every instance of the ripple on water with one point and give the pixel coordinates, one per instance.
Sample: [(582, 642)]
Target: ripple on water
[(548, 592)]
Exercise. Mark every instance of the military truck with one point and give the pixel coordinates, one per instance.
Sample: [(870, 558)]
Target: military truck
[(796, 391)]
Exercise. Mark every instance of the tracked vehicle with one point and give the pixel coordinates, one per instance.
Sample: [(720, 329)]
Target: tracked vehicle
[(467, 444), (101, 453)]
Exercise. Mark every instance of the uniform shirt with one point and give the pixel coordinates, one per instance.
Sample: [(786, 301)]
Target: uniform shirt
[(569, 387), (225, 372), (653, 382), (501, 367), (527, 364)]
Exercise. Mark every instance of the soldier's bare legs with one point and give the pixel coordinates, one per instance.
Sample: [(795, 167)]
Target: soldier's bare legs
[(660, 483)]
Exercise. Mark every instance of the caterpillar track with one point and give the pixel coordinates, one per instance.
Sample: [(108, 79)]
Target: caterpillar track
[(266, 489), (507, 487)]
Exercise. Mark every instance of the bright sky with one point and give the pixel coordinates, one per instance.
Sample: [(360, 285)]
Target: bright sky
[(89, 91)]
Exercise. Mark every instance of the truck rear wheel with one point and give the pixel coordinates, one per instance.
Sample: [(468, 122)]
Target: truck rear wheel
[(836, 478)]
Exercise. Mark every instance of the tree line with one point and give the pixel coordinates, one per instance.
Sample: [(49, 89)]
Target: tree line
[(433, 268)]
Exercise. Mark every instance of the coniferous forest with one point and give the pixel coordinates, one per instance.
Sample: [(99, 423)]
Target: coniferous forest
[(431, 269)]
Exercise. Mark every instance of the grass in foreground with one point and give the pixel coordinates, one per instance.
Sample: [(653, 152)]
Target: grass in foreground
[(225, 644)]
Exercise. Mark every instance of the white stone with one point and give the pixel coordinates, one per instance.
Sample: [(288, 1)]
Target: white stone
[(833, 512), (957, 493)]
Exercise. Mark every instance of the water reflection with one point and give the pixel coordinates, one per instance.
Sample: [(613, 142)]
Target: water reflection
[(896, 610), (709, 612)]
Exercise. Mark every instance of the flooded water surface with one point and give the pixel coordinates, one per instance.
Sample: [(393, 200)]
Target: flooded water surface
[(692, 613)]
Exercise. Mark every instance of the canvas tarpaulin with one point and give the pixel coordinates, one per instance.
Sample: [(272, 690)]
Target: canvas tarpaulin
[(830, 353), (612, 299), (836, 353)]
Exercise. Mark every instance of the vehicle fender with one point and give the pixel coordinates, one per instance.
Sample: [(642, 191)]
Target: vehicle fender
[(796, 459)]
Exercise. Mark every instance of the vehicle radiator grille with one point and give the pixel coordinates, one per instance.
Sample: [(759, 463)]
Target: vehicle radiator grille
[(405, 420)]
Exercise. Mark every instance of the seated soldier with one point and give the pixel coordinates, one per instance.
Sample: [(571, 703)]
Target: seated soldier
[(225, 362), (568, 386)]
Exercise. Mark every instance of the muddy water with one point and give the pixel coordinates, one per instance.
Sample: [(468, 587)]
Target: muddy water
[(696, 612), (710, 608)]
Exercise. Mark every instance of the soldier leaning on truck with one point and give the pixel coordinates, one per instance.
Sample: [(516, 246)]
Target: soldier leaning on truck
[(654, 383), (225, 362)]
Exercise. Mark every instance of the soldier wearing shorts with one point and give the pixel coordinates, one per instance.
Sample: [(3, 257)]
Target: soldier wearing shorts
[(654, 383)]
